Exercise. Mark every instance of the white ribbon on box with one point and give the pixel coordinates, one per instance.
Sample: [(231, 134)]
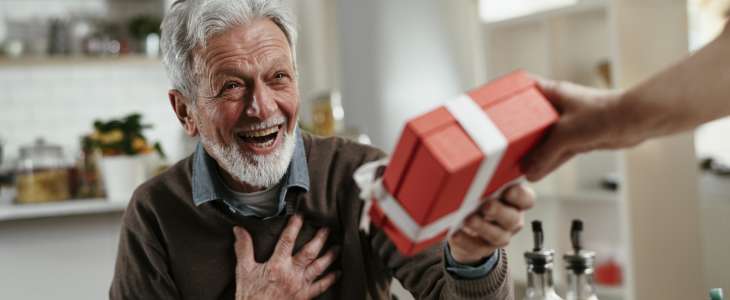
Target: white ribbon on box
[(485, 135)]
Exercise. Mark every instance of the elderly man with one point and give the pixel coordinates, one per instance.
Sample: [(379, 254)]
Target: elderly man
[(262, 210)]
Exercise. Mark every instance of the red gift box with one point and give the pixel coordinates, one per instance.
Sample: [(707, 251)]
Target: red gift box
[(436, 160)]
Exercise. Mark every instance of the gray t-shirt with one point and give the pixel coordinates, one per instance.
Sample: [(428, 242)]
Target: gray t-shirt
[(265, 203)]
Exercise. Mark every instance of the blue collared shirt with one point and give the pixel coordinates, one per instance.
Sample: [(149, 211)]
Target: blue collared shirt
[(208, 187)]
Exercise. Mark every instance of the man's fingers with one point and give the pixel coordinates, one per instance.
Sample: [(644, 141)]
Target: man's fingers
[(547, 168), (318, 287), (310, 251), (286, 241), (244, 250), (508, 217), (469, 245), (493, 234), (520, 196), (551, 89), (545, 155), (318, 266)]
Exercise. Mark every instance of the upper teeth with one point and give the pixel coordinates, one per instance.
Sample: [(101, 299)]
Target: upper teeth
[(256, 133)]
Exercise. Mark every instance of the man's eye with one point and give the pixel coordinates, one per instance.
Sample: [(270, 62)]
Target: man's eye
[(231, 86), (279, 75)]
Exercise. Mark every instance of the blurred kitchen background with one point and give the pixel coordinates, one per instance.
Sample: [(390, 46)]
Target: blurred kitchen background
[(84, 116)]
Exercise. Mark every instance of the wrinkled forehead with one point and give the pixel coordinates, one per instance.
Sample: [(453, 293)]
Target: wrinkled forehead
[(257, 42)]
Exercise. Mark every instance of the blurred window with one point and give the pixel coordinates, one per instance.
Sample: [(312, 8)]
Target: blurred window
[(497, 10)]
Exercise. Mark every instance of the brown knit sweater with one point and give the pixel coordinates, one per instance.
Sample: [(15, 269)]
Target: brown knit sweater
[(171, 249)]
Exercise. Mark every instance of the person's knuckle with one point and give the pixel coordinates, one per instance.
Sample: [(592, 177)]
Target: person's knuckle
[(515, 193), (513, 217), (278, 267), (503, 240), (317, 269), (308, 253), (490, 238), (497, 209), (520, 224), (286, 243), (490, 235), (529, 203)]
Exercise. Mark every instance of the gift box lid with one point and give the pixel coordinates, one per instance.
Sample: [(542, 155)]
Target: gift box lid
[(435, 160)]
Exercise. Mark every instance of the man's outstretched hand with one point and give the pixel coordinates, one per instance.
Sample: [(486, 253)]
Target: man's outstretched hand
[(492, 226), (284, 276), (590, 119)]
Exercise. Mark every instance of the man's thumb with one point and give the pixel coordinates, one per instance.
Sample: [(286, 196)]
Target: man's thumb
[(542, 159)]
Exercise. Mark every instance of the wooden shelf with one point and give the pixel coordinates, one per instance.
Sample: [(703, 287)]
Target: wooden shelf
[(56, 209), (69, 60), (610, 291), (584, 196), (590, 195)]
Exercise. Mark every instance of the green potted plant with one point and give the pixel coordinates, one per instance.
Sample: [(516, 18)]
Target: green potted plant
[(127, 158)]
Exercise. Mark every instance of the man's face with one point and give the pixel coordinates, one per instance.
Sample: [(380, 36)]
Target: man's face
[(247, 101)]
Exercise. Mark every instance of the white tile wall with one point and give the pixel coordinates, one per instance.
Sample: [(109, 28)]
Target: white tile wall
[(60, 103)]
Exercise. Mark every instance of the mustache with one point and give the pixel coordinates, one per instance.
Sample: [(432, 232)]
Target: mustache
[(259, 126)]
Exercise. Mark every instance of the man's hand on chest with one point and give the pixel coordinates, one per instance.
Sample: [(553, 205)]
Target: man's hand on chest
[(284, 276)]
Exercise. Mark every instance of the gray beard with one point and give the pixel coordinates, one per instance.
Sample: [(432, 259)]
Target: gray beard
[(258, 170)]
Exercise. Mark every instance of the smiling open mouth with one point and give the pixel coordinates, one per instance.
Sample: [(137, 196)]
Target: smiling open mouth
[(260, 138)]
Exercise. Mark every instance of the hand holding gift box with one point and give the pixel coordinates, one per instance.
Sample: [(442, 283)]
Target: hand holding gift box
[(451, 160)]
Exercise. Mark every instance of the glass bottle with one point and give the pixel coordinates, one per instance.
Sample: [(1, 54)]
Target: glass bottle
[(579, 267), (539, 269)]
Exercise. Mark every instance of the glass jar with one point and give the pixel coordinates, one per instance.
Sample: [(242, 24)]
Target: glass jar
[(42, 174), (328, 114)]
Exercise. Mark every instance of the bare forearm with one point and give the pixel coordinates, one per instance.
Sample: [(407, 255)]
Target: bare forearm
[(693, 91)]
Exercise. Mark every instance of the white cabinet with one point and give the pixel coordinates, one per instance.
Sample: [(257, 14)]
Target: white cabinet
[(653, 222)]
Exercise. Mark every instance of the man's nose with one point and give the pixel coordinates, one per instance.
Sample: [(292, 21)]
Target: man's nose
[(261, 103)]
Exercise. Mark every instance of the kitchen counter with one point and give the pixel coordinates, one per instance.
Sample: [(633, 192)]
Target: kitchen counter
[(57, 209)]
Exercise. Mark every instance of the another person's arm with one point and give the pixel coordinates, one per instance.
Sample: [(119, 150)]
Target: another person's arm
[(691, 92)]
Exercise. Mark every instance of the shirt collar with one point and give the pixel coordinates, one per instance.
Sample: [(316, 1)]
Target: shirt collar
[(207, 187)]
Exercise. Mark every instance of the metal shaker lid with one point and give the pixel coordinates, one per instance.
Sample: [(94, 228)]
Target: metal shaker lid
[(40, 148), (539, 259), (578, 260)]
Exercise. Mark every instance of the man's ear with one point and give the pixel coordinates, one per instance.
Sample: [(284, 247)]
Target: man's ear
[(184, 111)]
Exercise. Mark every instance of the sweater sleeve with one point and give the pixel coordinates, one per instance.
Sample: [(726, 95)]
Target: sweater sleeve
[(142, 268), (426, 277)]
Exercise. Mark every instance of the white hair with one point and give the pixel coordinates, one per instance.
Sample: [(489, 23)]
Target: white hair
[(191, 23)]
